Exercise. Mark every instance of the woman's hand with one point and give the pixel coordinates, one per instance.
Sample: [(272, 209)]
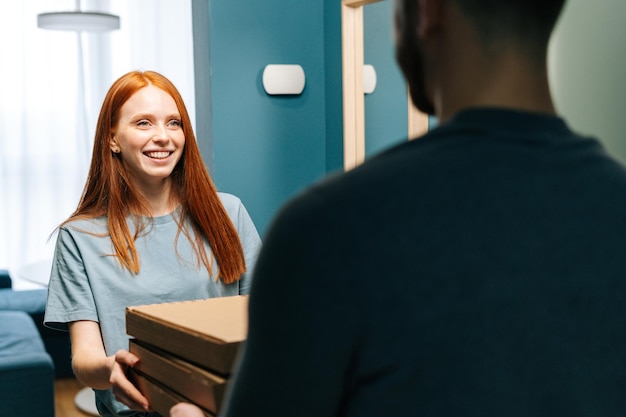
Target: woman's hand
[(124, 390), (186, 410), (95, 369)]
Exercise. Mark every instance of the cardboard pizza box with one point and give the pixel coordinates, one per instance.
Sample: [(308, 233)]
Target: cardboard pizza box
[(207, 333), (197, 385)]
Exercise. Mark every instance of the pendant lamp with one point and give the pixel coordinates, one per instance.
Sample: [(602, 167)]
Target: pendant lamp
[(78, 21)]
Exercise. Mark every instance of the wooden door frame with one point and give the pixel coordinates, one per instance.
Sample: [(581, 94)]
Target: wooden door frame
[(353, 94)]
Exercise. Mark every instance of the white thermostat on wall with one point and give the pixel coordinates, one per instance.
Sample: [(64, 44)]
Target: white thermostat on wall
[(369, 79), (283, 79)]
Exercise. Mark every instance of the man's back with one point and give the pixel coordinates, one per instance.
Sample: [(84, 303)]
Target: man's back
[(478, 271)]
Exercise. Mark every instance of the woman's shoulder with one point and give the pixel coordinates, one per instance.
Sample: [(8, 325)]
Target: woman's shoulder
[(85, 225), (229, 201)]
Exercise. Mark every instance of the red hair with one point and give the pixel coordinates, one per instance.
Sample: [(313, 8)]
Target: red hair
[(109, 191)]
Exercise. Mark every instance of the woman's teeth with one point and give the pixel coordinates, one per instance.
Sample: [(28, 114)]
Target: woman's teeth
[(157, 155)]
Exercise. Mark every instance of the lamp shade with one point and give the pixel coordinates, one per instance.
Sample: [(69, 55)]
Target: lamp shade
[(78, 21)]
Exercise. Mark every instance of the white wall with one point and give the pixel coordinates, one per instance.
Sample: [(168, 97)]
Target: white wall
[(587, 61)]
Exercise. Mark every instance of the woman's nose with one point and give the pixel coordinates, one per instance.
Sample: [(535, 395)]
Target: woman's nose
[(160, 134)]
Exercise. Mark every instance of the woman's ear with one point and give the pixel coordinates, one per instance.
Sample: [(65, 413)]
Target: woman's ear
[(115, 147)]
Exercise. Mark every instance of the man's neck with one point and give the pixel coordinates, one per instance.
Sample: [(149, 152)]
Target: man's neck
[(504, 83), (467, 73)]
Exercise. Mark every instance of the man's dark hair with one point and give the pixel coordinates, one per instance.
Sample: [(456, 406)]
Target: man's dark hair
[(528, 21)]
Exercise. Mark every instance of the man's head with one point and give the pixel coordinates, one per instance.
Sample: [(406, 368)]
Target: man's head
[(498, 25)]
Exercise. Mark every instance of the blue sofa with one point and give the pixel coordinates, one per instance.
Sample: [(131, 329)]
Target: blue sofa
[(26, 369), (31, 356)]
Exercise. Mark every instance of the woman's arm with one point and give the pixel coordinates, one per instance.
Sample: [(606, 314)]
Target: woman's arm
[(95, 369), (90, 363)]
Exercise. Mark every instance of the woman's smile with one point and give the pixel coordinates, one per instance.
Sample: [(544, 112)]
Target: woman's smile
[(157, 154)]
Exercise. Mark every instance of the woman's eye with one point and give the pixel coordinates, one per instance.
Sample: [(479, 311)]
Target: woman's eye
[(142, 123), (176, 123)]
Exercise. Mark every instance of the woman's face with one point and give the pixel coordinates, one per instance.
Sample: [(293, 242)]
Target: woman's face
[(149, 136)]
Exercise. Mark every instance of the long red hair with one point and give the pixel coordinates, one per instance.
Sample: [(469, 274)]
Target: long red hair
[(109, 191)]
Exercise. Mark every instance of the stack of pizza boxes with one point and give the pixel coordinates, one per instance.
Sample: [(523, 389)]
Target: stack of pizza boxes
[(186, 350)]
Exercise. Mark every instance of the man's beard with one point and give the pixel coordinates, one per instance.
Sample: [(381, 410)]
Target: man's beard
[(412, 65), (410, 59)]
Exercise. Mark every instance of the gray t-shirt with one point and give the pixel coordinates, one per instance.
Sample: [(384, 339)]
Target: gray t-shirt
[(88, 283)]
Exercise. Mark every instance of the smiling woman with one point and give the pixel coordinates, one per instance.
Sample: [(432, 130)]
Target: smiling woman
[(150, 228), (52, 88), (150, 140)]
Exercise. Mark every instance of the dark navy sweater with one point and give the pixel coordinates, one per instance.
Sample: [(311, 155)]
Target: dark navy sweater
[(477, 271)]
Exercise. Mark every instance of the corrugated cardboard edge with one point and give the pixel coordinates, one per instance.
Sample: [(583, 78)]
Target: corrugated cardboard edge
[(160, 397), (199, 385)]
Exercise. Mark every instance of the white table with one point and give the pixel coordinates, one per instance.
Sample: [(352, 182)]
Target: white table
[(34, 275)]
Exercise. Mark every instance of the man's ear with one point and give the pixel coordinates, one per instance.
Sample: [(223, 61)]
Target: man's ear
[(430, 17)]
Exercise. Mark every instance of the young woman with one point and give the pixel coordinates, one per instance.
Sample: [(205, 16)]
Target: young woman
[(150, 228)]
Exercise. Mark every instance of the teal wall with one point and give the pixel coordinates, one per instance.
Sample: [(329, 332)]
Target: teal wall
[(262, 148), (386, 109), (334, 96), (265, 149)]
